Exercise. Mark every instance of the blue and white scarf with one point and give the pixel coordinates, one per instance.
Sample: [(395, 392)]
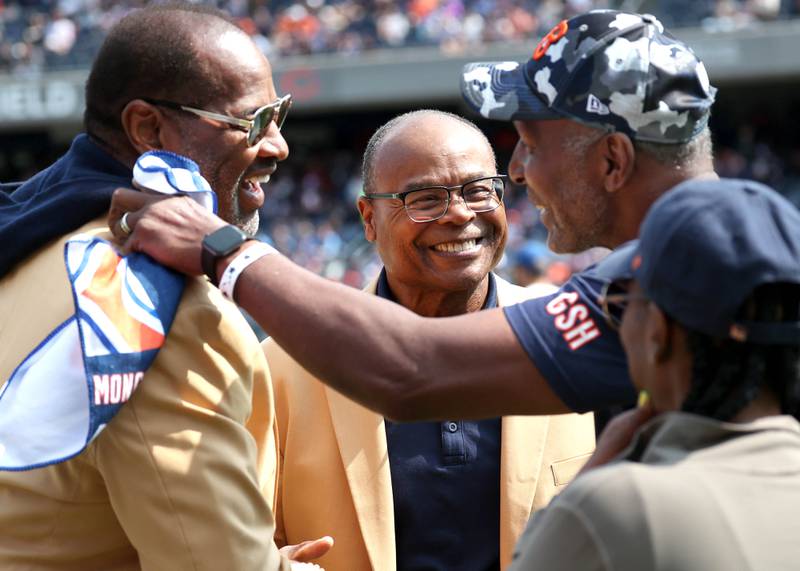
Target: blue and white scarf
[(72, 384)]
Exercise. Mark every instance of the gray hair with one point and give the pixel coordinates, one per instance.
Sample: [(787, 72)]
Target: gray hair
[(691, 156), (578, 144)]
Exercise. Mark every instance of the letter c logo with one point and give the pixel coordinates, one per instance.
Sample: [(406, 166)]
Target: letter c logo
[(558, 32)]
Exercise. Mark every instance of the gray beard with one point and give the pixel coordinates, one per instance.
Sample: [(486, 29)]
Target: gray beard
[(248, 224)]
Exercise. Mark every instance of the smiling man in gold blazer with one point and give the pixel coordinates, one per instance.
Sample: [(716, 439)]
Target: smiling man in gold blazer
[(421, 495)]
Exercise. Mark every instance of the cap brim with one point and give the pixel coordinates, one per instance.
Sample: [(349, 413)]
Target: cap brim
[(618, 265), (498, 90)]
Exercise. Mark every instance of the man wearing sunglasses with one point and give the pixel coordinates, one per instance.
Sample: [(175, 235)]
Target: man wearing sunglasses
[(182, 476), (426, 495), (611, 112), (255, 124)]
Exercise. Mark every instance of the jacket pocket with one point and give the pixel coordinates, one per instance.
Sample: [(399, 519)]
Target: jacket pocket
[(565, 470)]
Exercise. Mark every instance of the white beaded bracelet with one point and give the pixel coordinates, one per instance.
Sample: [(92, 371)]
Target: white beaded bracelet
[(227, 282)]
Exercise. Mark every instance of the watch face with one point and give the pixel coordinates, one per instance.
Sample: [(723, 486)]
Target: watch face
[(223, 241)]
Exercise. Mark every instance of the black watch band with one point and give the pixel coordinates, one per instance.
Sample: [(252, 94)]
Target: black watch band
[(218, 244)]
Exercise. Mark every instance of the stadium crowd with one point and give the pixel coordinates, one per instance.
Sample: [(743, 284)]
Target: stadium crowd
[(310, 213), (42, 35), (694, 314)]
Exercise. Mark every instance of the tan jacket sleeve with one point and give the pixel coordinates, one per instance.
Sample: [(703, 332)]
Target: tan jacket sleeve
[(183, 473), (276, 360)]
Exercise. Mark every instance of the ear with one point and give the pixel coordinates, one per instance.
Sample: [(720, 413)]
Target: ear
[(619, 158), (144, 125), (367, 212), (659, 341)]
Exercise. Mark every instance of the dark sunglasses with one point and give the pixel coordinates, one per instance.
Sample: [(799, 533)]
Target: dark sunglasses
[(255, 127), (614, 299)]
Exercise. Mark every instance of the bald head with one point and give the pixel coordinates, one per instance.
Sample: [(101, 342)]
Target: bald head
[(411, 128), (160, 52)]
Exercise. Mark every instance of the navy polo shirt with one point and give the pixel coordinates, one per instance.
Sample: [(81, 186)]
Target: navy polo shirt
[(445, 486)]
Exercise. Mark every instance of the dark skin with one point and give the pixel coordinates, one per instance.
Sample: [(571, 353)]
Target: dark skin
[(409, 367), (423, 274), (660, 363), (227, 160), (222, 153)]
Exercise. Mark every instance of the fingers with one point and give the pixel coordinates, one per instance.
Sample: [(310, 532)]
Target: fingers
[(131, 201), (622, 427), (125, 199), (618, 435), (170, 228), (308, 550), (631, 420)]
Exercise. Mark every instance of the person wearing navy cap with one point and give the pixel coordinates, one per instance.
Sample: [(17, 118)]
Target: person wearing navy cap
[(612, 112), (708, 471)]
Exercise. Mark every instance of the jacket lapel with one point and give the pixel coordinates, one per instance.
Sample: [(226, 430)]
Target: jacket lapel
[(519, 476), (521, 453), (361, 436)]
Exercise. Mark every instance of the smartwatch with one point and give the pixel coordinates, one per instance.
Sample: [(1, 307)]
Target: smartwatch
[(219, 244)]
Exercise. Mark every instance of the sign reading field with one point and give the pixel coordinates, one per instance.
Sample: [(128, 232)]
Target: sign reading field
[(46, 100), (409, 76)]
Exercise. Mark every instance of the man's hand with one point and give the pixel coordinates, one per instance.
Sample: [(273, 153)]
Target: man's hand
[(307, 551), (169, 229), (617, 435)]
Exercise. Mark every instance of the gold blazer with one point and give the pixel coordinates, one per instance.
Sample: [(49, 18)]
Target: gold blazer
[(334, 476)]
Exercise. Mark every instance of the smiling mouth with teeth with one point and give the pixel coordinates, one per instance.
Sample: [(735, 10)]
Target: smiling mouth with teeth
[(455, 247), (253, 184), (263, 179)]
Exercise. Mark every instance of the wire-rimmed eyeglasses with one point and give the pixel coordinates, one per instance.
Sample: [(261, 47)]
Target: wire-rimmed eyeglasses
[(613, 299), (427, 204), (255, 126)]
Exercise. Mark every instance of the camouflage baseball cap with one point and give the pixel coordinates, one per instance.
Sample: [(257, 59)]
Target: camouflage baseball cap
[(613, 70)]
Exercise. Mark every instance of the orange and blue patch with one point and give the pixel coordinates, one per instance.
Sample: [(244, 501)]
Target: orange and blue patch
[(73, 383)]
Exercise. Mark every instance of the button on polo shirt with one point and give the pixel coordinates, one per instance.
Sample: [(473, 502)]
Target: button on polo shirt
[(446, 486)]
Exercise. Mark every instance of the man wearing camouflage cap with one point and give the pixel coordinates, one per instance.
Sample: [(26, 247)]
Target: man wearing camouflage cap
[(610, 70), (611, 113)]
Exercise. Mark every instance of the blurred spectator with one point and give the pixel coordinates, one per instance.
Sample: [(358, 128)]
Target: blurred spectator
[(59, 34), (530, 265)]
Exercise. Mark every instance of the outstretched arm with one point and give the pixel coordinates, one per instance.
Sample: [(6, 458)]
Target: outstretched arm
[(376, 352)]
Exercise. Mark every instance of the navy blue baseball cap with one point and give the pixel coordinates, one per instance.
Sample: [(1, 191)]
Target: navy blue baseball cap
[(533, 255), (705, 246), (617, 71)]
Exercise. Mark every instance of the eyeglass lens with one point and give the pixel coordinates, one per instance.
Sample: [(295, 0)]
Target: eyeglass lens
[(431, 203), (614, 299), (264, 117)]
